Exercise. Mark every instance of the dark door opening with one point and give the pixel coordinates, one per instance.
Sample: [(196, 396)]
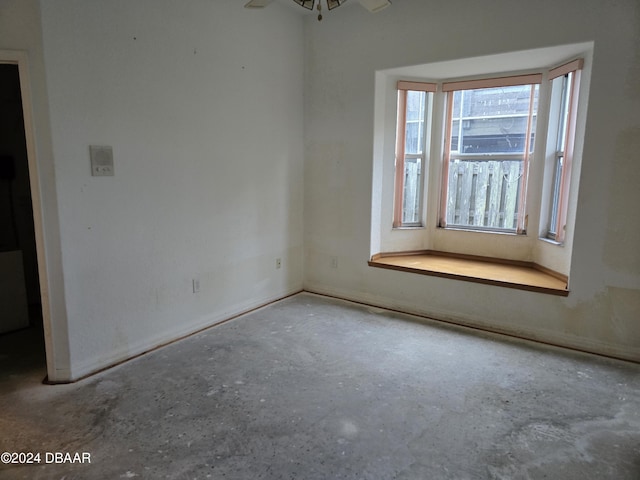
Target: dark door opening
[(21, 329)]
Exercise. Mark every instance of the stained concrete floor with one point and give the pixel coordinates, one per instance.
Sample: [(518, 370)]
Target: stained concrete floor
[(315, 388)]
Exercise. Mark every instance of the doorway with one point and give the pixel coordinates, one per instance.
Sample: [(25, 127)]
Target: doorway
[(22, 343)]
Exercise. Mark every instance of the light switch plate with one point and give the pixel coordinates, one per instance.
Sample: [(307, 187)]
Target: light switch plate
[(101, 161)]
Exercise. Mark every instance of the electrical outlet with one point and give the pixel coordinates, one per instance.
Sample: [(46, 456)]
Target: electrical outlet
[(196, 285), (278, 263), (334, 262)]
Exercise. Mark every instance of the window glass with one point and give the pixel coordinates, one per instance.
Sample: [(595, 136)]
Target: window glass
[(564, 82), (412, 107), (486, 165), (492, 120), (414, 140), (412, 194)]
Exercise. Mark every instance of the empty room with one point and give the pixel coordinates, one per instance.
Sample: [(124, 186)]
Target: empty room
[(297, 239)]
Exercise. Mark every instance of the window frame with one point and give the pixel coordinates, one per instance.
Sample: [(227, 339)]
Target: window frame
[(450, 88), (559, 193), (403, 87)]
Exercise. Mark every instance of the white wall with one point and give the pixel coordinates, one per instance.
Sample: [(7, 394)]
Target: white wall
[(202, 102), (602, 312)]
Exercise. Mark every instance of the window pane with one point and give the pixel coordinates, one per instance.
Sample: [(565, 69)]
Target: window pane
[(494, 135), (413, 139), (492, 120), (457, 96), (455, 126), (565, 84), (410, 172), (412, 191), (564, 110), (484, 194), (555, 201), (415, 105), (415, 122)]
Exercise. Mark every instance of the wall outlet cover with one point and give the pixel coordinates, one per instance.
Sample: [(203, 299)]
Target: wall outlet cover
[(101, 161)]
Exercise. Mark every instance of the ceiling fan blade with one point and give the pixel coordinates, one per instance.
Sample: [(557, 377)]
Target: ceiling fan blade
[(257, 3), (334, 3), (308, 4)]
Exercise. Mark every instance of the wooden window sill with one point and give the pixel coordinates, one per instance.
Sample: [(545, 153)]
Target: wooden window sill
[(470, 268)]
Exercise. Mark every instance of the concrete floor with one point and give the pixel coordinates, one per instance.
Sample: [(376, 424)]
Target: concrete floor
[(314, 388)]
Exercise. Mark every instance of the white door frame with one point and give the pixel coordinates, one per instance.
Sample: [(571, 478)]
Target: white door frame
[(19, 58)]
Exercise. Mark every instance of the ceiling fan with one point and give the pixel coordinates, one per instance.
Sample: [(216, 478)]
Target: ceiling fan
[(371, 5)]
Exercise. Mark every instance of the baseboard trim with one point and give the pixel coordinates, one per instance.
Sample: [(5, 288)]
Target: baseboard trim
[(531, 338), (95, 367), (100, 365)]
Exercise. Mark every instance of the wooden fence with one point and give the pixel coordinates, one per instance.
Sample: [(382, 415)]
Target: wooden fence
[(481, 193), (412, 191), (484, 193)]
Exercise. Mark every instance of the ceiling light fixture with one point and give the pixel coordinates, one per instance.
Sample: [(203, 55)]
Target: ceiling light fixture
[(309, 4), (371, 5)]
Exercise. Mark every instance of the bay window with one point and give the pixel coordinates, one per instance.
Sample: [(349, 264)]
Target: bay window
[(480, 157), (489, 132)]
